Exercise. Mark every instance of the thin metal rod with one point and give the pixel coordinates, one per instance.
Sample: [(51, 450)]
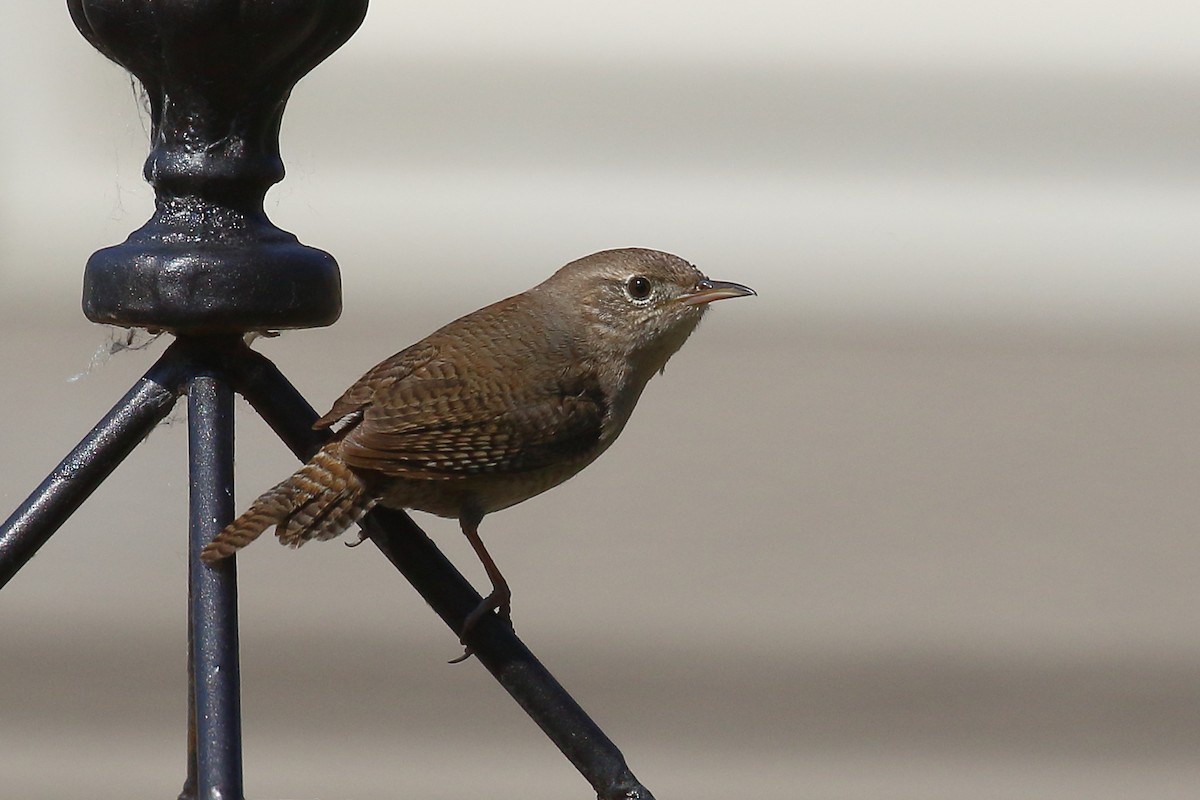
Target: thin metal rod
[(92, 460), (276, 400), (505, 656), (451, 596), (212, 593)]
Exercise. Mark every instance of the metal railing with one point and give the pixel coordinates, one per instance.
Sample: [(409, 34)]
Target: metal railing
[(209, 267)]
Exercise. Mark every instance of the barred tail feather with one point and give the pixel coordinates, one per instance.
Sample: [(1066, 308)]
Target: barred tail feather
[(320, 501), (266, 511)]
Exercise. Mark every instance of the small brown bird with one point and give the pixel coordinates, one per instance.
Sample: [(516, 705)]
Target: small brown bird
[(495, 407)]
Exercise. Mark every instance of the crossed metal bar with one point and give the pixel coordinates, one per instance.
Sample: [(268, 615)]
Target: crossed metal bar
[(209, 369)]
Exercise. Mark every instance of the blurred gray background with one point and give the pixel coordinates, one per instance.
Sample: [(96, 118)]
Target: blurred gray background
[(917, 522)]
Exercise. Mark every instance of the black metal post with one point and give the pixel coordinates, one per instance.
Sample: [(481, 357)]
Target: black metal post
[(217, 75), (212, 593)]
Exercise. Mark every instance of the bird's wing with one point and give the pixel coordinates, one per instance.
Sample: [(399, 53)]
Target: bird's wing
[(435, 425), (383, 376)]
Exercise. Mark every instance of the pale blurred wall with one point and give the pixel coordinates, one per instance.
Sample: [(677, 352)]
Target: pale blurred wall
[(1029, 161), (918, 521)]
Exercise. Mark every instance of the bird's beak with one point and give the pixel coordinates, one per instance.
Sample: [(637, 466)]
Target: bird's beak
[(708, 290)]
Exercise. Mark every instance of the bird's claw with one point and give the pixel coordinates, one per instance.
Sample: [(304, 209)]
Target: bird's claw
[(498, 601), (467, 653)]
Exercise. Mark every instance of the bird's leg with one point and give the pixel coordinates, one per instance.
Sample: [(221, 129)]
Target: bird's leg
[(500, 597)]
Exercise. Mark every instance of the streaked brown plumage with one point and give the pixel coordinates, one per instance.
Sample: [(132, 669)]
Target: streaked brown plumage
[(495, 407)]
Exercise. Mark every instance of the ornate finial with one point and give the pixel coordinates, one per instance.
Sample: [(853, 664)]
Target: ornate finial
[(218, 74)]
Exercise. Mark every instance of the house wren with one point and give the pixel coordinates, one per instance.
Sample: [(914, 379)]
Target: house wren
[(495, 407)]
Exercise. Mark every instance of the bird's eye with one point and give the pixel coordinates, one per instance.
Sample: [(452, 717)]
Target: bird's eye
[(638, 287)]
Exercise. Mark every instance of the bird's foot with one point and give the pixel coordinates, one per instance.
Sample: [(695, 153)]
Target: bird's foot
[(362, 537), (500, 601)]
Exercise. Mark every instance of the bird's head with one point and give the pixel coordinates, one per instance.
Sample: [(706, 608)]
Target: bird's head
[(640, 304)]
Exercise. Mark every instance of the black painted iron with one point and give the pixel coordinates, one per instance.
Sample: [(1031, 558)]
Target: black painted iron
[(209, 266), (217, 75), (505, 656), (93, 459), (212, 591)]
